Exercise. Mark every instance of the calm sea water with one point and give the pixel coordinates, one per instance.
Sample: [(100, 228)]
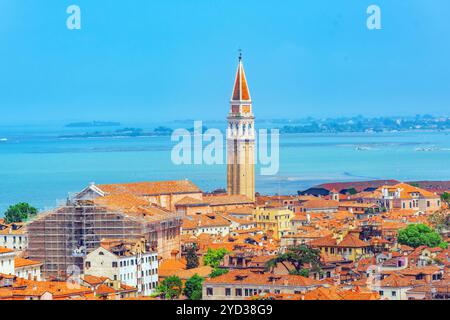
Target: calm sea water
[(38, 167)]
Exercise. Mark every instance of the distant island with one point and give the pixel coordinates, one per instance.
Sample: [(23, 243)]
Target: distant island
[(287, 126), (363, 124), (93, 124), (127, 132)]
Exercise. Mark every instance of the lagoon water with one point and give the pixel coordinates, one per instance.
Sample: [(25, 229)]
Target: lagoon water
[(38, 167)]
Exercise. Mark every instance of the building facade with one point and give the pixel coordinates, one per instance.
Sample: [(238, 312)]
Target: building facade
[(244, 284), (131, 266), (7, 261), (274, 220), (13, 236)]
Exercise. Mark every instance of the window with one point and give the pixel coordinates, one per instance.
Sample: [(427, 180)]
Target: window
[(227, 292), (114, 264), (238, 292), (101, 253), (394, 293), (381, 292), (209, 291), (88, 264)]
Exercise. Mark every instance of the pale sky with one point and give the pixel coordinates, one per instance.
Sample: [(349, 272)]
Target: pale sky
[(167, 59)]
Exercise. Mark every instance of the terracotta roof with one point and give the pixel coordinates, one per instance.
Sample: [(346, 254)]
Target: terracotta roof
[(350, 240), (186, 201), (406, 191), (16, 228), (322, 293), (220, 200), (104, 289), (248, 277), (150, 188), (94, 280), (413, 271), (170, 267), (320, 204), (204, 220), (59, 290), (242, 211), (396, 281), (20, 262), (5, 250), (132, 205)]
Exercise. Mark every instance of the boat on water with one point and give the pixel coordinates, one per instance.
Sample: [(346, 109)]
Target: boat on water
[(3, 139)]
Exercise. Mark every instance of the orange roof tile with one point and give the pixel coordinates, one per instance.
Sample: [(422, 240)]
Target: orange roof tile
[(20, 262), (248, 277), (150, 188), (5, 250)]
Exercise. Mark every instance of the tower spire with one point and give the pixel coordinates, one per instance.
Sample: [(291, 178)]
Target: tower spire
[(240, 90)]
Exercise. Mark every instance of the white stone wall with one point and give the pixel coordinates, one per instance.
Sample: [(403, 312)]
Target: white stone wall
[(17, 242)]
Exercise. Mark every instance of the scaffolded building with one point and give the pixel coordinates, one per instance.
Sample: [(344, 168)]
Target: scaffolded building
[(61, 238)]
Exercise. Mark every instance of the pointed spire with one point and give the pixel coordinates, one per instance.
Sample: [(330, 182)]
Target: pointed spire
[(240, 91)]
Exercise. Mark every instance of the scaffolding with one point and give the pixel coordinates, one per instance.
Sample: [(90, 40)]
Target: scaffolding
[(62, 238)]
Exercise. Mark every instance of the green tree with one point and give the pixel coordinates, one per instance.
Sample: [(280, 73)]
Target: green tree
[(192, 258), (446, 197), (170, 288), (218, 272), (19, 212), (415, 235), (193, 287), (297, 256), (213, 257)]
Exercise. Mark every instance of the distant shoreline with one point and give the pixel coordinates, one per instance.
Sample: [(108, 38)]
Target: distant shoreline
[(138, 132), (92, 124)]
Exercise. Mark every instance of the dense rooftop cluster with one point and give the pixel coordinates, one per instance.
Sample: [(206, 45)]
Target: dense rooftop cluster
[(331, 242)]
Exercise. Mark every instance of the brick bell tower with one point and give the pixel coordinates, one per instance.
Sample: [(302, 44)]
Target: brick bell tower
[(241, 139)]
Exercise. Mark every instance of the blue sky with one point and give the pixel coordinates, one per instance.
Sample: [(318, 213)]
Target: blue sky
[(152, 60)]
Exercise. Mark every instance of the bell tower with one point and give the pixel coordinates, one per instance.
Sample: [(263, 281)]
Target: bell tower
[(241, 139)]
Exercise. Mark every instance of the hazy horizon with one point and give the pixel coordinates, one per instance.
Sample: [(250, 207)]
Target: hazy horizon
[(162, 121)]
